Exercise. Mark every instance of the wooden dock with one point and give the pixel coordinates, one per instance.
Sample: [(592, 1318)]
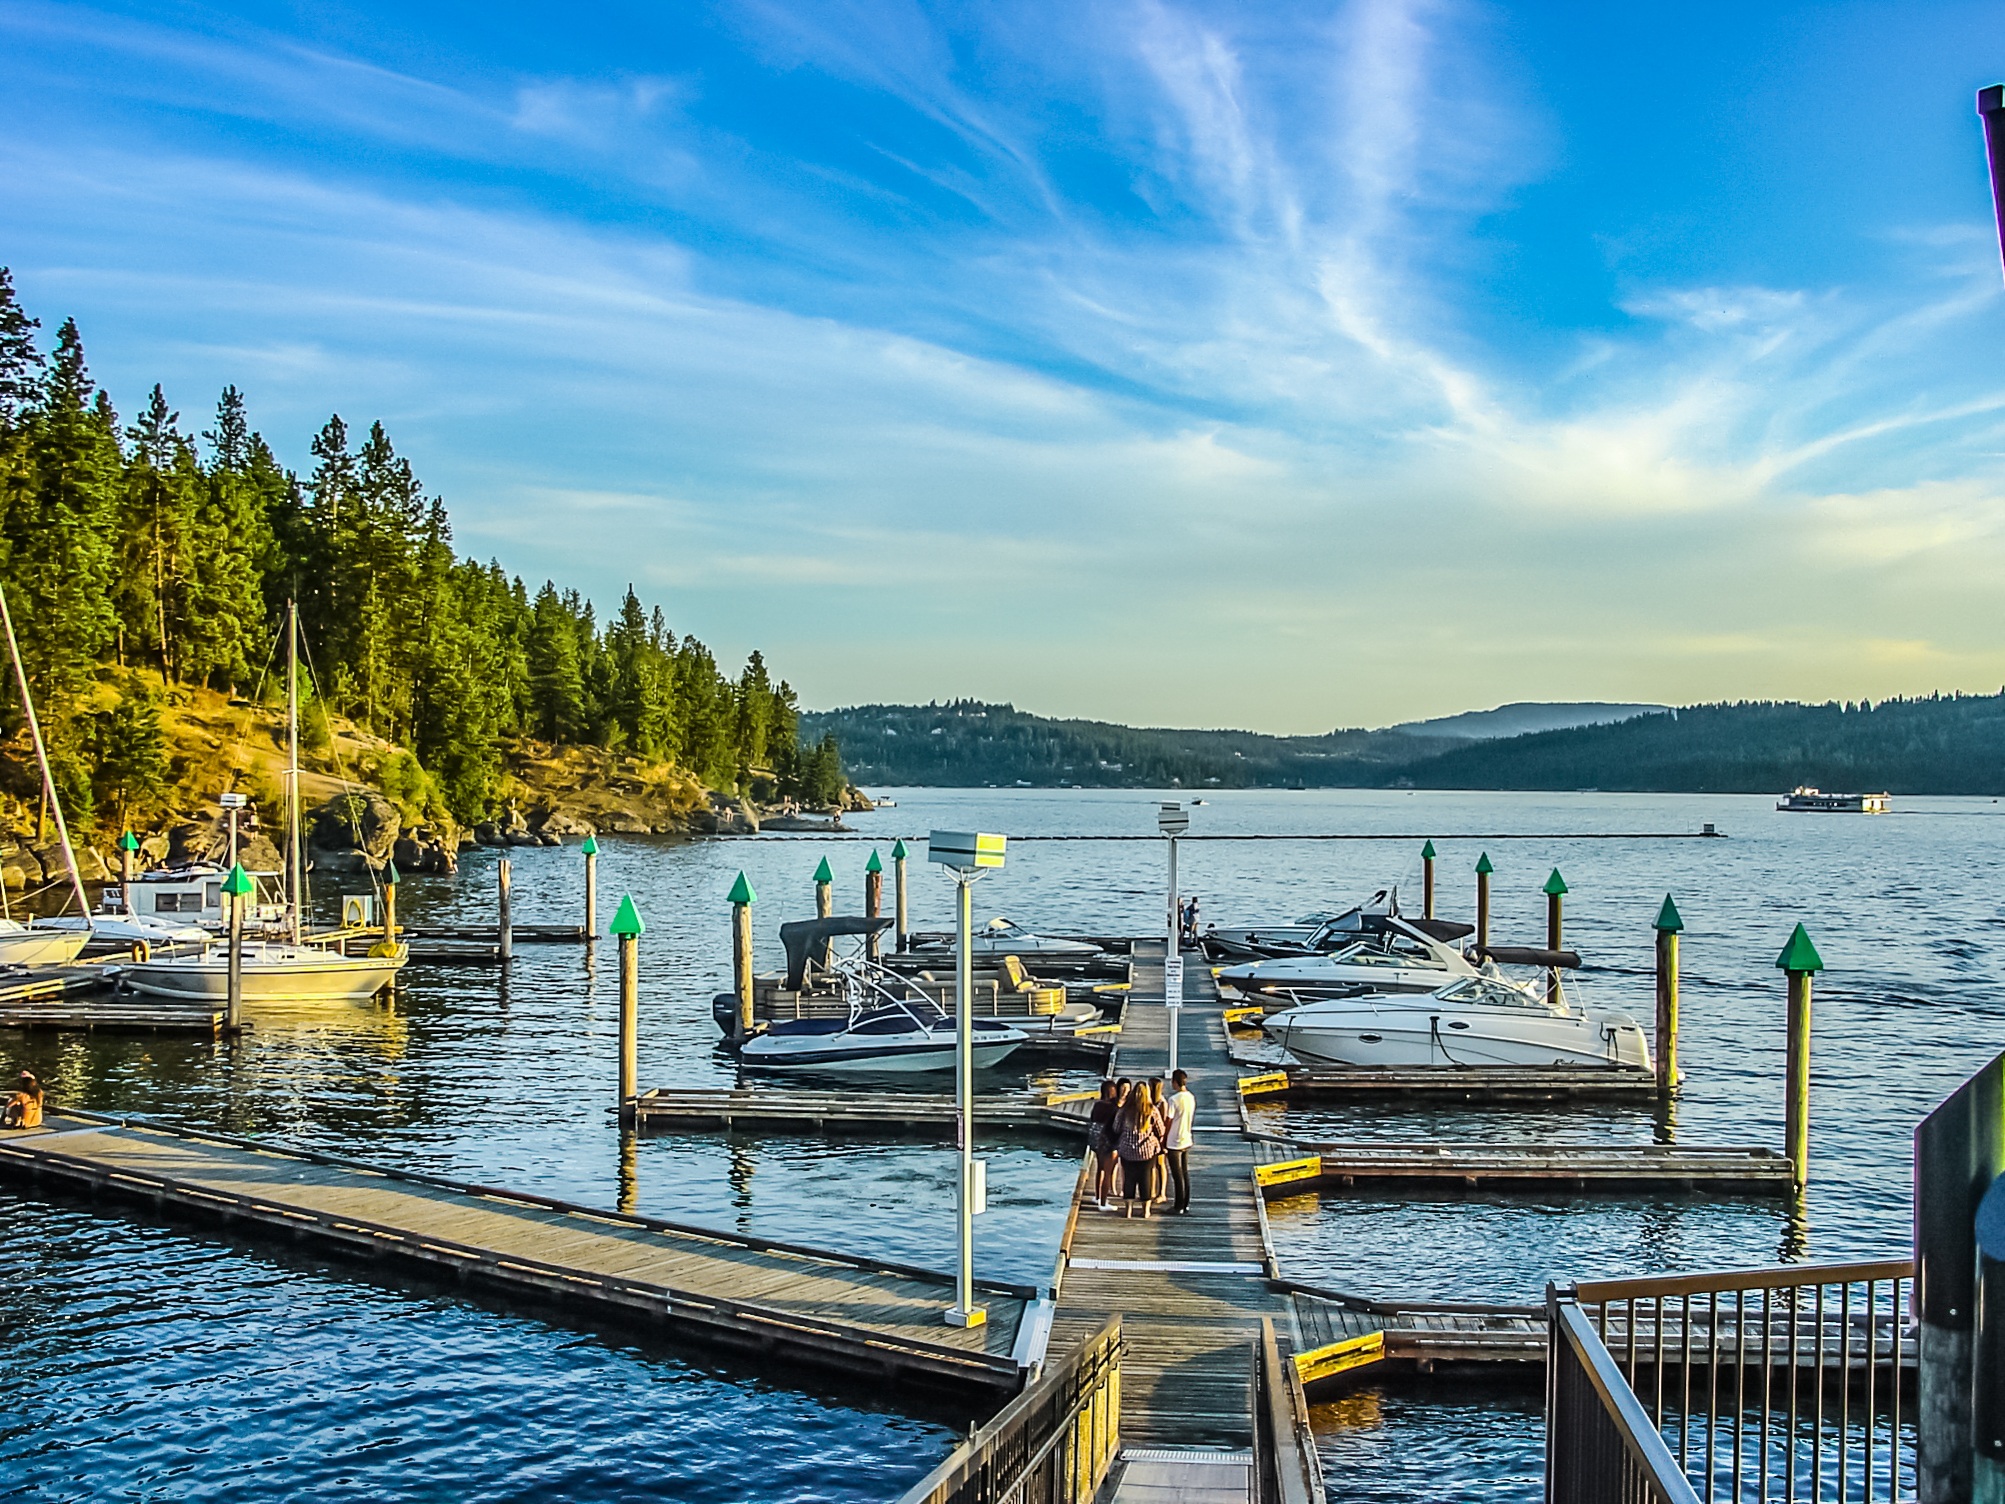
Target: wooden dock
[(1293, 1169), (864, 1317), (1477, 1085), (110, 1016), (41, 984), (527, 934), (930, 1114)]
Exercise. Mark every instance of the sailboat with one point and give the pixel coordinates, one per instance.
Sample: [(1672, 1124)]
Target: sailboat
[(277, 970), (29, 944)]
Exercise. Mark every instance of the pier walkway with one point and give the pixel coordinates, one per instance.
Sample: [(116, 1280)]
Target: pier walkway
[(863, 1316)]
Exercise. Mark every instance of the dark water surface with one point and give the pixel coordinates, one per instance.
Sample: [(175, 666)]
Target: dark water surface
[(182, 1367)]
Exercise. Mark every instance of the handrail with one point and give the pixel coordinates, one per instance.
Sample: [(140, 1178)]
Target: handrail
[(1773, 1277), (1064, 1428), (1600, 1442)]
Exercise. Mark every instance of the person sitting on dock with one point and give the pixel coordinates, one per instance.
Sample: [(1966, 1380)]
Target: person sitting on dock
[(1176, 1143), (24, 1107), (1101, 1134), (1138, 1146)]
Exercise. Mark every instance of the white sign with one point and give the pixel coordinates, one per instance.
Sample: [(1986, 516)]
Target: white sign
[(1173, 981)]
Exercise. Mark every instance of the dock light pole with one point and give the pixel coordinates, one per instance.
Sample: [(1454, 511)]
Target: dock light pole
[(967, 855), (1800, 960), (1483, 871), (236, 887), (900, 928), (742, 899), (627, 926), (232, 803), (1427, 881), (591, 853), (873, 900), (1668, 923), (1173, 820)]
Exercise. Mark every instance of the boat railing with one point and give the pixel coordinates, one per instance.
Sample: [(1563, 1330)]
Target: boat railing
[(1052, 1444), (1778, 1383)]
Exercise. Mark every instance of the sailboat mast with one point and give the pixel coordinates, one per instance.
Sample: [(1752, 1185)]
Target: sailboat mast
[(42, 757), (296, 869)]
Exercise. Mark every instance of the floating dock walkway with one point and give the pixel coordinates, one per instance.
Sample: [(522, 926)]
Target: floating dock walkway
[(931, 1114), (862, 1316), (1296, 1169)]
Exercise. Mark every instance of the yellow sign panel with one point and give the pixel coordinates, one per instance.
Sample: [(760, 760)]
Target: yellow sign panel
[(1254, 1086), (1339, 1357), (1288, 1169)]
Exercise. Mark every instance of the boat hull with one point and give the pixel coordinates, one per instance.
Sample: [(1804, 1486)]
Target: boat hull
[(41, 947), (279, 979), (1314, 982), (835, 1058), (1389, 1036)]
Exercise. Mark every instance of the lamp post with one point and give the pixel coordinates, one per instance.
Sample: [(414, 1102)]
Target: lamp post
[(966, 854), (1173, 820)]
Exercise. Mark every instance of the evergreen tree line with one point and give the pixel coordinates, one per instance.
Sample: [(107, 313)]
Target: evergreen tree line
[(142, 545)]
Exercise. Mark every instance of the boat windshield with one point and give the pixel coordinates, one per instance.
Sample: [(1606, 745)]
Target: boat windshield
[(1490, 992)]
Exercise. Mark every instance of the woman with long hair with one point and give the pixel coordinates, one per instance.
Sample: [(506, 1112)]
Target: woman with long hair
[(1138, 1144)]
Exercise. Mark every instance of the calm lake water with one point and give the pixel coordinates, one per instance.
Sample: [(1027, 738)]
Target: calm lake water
[(172, 1365)]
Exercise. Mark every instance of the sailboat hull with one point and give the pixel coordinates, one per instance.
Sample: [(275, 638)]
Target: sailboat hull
[(39, 947)]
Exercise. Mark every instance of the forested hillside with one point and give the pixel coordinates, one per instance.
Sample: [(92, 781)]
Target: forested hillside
[(142, 559)]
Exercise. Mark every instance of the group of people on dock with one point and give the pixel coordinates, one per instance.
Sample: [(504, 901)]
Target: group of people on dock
[(1140, 1135)]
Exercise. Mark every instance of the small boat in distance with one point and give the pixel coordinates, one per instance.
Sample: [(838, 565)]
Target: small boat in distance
[(1806, 800), (910, 1034)]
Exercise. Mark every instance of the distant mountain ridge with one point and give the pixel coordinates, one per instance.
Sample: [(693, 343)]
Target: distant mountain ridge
[(1523, 717), (1937, 744)]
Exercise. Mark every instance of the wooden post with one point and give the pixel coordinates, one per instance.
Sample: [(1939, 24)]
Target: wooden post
[(128, 844), (1800, 960), (505, 923), (900, 927), (1668, 924), (742, 899), (390, 904), (1555, 890), (824, 890), (235, 889), (627, 925), (873, 899), (1427, 880), (1483, 871), (591, 851)]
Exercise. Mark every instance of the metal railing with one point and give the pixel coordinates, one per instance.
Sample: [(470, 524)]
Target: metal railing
[(1601, 1447), (1760, 1384), (1052, 1444)]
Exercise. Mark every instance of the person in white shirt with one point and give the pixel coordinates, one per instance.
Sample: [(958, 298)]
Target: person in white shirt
[(1182, 1111)]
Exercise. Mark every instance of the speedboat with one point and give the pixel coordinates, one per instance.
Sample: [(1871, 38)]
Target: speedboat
[(907, 1035), (1483, 1020), (272, 971), (1005, 937), (1319, 934), (1399, 957), (40, 944), (130, 929)]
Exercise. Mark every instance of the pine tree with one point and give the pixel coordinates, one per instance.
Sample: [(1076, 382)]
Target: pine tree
[(556, 687), (20, 361)]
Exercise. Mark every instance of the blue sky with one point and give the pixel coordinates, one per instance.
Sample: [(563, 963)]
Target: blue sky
[(1273, 365)]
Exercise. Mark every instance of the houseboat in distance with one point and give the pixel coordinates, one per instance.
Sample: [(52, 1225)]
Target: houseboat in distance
[(1816, 801)]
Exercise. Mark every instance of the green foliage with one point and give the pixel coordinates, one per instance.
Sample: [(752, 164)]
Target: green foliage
[(129, 755), (133, 548)]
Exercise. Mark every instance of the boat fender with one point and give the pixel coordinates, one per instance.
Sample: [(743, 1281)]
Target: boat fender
[(383, 948), (142, 951)]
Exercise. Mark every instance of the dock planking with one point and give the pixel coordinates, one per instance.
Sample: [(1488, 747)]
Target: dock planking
[(1476, 1085), (1291, 1168), (931, 1114), (860, 1316)]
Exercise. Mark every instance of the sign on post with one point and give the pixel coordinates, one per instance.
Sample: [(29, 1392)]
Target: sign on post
[(1173, 980)]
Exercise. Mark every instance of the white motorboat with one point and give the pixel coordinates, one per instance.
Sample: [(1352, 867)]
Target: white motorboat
[(273, 971), (907, 1035), (130, 929), (1005, 937), (1399, 958), (40, 944), (1484, 1020)]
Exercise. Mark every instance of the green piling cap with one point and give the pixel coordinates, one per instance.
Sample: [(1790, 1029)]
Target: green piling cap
[(1483, 867), (1668, 918), (1555, 885), (390, 875), (875, 864), (128, 842), (591, 846), (824, 874), (238, 883), (1799, 954), (899, 853), (1427, 852), (627, 921), (741, 891)]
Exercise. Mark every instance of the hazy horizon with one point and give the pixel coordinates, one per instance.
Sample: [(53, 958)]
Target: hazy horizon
[(1175, 365)]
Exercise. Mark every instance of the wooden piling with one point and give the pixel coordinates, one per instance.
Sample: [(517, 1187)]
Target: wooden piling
[(1800, 960), (627, 926), (504, 923), (873, 899), (236, 888), (1669, 922), (1555, 890), (900, 927), (591, 854), (128, 844), (1483, 871), (1427, 880), (824, 890), (742, 899), (390, 876)]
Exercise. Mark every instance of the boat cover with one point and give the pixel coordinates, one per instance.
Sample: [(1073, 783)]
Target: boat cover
[(808, 940)]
